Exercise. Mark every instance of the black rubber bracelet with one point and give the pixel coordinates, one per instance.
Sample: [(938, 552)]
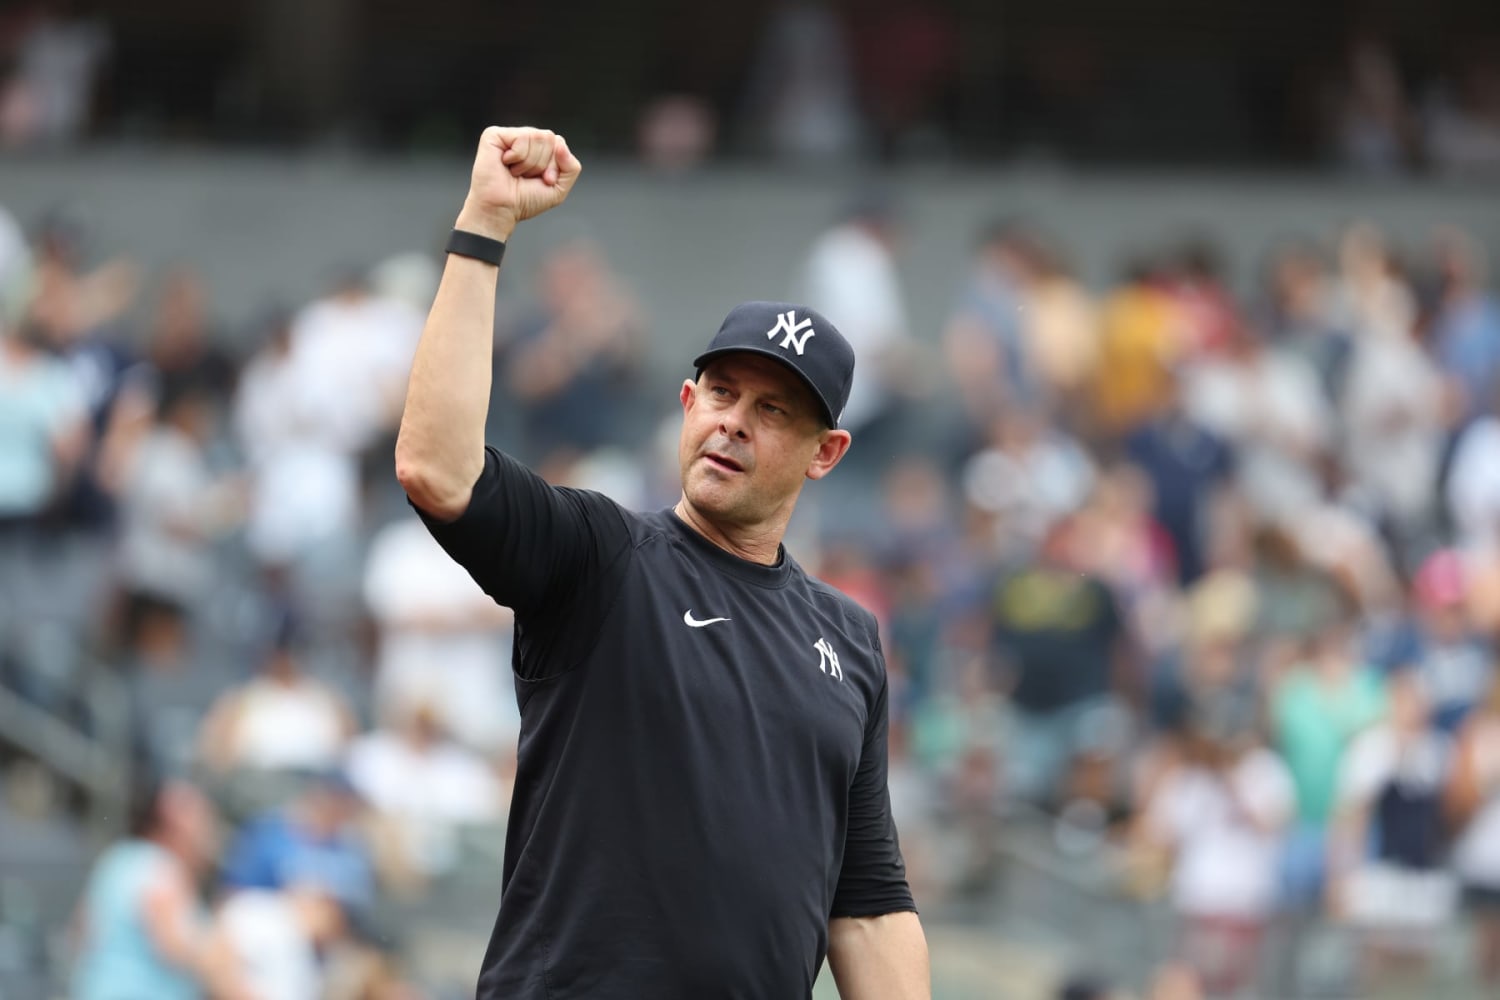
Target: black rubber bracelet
[(467, 244)]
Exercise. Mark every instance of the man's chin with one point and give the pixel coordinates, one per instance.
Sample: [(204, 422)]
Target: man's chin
[(711, 498)]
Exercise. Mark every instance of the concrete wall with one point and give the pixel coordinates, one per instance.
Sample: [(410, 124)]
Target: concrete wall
[(262, 227)]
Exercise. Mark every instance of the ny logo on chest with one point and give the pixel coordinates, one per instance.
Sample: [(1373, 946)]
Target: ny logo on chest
[(828, 660)]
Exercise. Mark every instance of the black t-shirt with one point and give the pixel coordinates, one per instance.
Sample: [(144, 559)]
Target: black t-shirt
[(1057, 632), (701, 780)]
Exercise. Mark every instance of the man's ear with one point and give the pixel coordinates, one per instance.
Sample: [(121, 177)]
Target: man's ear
[(689, 390), (832, 447)]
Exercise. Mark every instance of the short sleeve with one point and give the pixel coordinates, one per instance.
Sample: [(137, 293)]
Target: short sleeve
[(527, 543), (872, 880)]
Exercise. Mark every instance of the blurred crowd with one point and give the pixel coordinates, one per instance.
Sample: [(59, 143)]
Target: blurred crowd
[(1203, 580)]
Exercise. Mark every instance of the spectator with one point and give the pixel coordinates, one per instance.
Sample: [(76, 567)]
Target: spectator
[(314, 840), (1301, 313), (1061, 646), (181, 342), (1031, 475), (1215, 675), (1389, 876), (142, 931), (43, 439), (1392, 403), (1372, 300), (304, 492), (424, 786), (79, 314), (1061, 331), (1317, 707), (281, 720), (174, 507), (1121, 544), (574, 366), (1189, 469), (443, 642), (1211, 320), (850, 276), (984, 343), (280, 939), (1454, 661), (1267, 403), (1219, 812), (1295, 599), (1141, 340), (351, 352), (44, 423)]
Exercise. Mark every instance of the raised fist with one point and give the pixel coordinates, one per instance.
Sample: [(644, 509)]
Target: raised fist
[(518, 173)]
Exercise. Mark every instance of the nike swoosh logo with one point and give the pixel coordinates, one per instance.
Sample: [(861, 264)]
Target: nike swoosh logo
[(691, 622)]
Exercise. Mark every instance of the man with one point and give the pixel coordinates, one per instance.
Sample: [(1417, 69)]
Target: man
[(700, 805)]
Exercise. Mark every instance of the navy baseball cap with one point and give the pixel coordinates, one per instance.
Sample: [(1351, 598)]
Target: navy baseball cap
[(800, 338)]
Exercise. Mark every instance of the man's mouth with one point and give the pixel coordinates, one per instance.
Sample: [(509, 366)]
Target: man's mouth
[(723, 462)]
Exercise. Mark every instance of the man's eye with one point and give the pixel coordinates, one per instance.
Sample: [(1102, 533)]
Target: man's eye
[(719, 391)]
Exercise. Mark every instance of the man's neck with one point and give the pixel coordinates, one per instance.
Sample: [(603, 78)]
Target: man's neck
[(759, 544)]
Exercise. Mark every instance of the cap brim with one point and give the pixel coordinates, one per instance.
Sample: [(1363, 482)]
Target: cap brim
[(702, 360)]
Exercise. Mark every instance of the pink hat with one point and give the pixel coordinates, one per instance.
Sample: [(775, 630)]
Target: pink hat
[(1441, 580)]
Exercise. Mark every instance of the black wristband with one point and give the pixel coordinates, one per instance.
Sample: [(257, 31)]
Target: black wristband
[(467, 244)]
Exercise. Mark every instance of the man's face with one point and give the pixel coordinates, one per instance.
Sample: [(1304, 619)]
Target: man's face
[(751, 434)]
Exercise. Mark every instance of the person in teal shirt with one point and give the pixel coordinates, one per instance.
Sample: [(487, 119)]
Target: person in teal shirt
[(142, 930), (1317, 707)]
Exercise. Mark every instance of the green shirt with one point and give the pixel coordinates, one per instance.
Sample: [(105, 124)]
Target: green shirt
[(1314, 723)]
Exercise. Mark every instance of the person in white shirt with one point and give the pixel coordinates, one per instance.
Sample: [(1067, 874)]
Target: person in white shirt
[(442, 641), (850, 276), (1399, 893), (277, 938), (1268, 403), (304, 491), (1219, 812), (350, 354), (425, 786), (281, 720), (173, 506)]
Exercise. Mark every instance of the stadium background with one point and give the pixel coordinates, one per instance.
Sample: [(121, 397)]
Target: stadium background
[(194, 177)]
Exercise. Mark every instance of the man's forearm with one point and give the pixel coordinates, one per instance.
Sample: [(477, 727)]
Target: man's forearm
[(879, 958), (518, 173), (440, 450)]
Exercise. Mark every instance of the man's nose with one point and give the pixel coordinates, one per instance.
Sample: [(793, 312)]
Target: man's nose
[(733, 422)]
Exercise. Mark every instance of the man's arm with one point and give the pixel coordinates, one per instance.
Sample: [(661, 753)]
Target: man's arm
[(518, 173), (879, 958)]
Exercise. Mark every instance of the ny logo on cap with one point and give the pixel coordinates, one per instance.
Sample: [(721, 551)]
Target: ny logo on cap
[(787, 323)]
